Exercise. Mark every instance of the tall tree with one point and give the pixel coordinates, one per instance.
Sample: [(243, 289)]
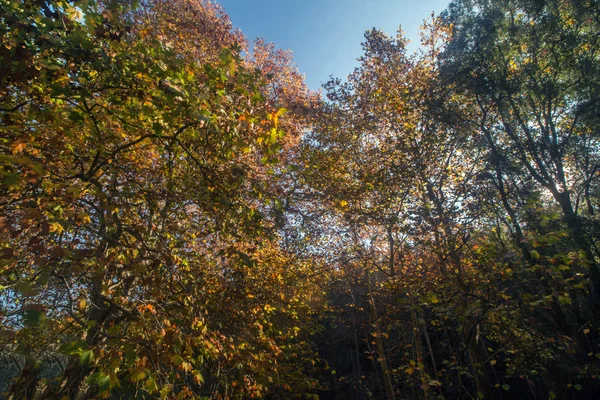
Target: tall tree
[(140, 255), (533, 69)]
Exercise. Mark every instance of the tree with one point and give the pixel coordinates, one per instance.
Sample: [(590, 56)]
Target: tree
[(139, 250), (531, 67)]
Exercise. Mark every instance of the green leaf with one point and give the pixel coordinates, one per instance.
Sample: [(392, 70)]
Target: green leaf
[(130, 354), (25, 289), (11, 180), (151, 385), (34, 315), (198, 377), (86, 357), (164, 392), (76, 117), (138, 374), (73, 347), (103, 382)]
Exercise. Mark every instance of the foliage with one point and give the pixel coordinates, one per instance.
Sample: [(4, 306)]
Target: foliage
[(136, 231), (182, 218)]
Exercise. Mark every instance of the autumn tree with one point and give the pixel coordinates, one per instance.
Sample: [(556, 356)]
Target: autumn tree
[(532, 68), (140, 256), (438, 207), (181, 217)]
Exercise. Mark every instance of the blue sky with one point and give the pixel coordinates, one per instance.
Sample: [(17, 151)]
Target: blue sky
[(326, 35)]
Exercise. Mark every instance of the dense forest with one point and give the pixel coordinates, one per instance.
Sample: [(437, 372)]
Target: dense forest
[(182, 218)]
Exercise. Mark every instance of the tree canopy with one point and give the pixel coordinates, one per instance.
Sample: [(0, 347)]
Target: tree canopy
[(181, 217)]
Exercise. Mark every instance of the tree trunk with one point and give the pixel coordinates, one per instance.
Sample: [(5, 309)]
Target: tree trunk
[(381, 358)]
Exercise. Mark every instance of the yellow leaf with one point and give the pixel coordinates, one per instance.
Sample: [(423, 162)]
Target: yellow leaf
[(56, 227), (138, 374), (185, 366), (84, 217), (18, 148)]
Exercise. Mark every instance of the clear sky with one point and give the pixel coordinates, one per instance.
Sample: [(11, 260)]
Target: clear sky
[(326, 35)]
